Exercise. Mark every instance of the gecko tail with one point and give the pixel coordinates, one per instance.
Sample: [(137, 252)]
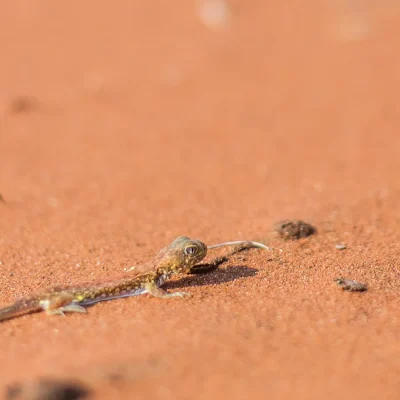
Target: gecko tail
[(20, 307)]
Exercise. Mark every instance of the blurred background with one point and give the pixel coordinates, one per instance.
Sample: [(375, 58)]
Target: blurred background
[(231, 105), (125, 124)]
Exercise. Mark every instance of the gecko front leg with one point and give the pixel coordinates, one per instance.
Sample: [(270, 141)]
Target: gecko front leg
[(61, 303), (156, 291)]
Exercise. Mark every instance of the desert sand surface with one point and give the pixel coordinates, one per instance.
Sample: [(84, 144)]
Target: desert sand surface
[(126, 124)]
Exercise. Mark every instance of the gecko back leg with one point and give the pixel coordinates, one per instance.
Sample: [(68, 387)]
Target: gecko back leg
[(60, 304)]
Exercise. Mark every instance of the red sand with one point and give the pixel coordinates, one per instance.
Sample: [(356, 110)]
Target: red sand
[(148, 125)]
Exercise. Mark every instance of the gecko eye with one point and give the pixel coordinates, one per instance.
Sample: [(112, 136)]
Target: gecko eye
[(191, 250)]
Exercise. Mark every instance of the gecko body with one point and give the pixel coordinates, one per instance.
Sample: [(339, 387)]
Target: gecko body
[(179, 257)]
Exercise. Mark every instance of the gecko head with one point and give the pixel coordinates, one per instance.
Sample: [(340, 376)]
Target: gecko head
[(183, 253)]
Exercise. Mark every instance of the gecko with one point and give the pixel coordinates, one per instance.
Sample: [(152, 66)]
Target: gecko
[(180, 257)]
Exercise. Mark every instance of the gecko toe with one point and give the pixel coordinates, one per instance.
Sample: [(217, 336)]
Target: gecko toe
[(74, 308), (67, 308), (57, 311), (183, 294)]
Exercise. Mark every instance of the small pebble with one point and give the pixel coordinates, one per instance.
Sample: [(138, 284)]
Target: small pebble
[(351, 286), (341, 246)]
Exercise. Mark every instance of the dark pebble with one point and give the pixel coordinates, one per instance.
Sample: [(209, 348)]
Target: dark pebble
[(47, 389), (351, 286), (294, 229)]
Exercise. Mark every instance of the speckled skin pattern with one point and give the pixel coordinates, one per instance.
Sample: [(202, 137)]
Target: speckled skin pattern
[(182, 254)]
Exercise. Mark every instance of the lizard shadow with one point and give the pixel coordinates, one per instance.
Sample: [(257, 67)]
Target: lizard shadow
[(216, 277)]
